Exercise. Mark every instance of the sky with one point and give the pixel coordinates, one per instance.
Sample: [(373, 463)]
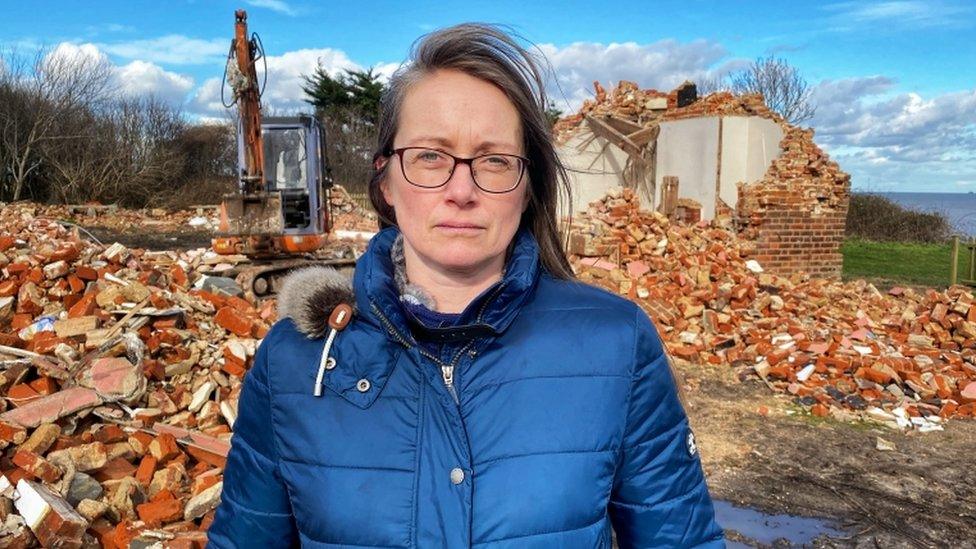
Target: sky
[(894, 82)]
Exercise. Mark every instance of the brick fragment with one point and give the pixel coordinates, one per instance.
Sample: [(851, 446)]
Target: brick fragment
[(49, 409), (161, 509), (164, 447), (84, 457), (36, 466), (76, 326), (42, 438)]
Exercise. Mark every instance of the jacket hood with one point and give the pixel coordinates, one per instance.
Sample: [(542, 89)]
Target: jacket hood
[(309, 295)]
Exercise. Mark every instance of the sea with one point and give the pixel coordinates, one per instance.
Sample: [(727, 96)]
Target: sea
[(959, 208)]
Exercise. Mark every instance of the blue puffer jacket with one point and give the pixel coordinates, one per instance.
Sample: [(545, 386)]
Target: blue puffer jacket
[(560, 419)]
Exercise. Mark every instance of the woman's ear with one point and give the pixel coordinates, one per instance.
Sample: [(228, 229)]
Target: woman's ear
[(385, 189)]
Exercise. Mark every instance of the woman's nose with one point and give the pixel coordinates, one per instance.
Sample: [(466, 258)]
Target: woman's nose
[(461, 187)]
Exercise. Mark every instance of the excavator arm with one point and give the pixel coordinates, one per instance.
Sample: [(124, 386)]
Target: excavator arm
[(253, 211), (248, 96)]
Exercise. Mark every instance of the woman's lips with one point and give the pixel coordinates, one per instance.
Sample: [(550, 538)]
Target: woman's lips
[(459, 228)]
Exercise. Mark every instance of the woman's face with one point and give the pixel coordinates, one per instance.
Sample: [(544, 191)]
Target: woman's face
[(464, 116)]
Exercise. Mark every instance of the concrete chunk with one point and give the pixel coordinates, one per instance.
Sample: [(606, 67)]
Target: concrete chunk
[(54, 522)]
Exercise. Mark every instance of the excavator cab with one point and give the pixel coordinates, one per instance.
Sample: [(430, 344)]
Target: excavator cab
[(290, 214), (295, 167)]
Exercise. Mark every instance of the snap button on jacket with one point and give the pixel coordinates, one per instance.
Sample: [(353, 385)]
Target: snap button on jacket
[(561, 420)]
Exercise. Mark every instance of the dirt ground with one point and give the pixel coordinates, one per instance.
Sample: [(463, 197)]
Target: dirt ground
[(921, 494), (156, 241)]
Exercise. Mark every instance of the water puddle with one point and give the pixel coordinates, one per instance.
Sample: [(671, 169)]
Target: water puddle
[(766, 529)]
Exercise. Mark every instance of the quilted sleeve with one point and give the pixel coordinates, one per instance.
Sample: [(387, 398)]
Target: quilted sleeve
[(659, 496), (254, 510)]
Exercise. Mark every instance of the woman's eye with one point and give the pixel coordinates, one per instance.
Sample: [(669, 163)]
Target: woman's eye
[(498, 162), (430, 156)]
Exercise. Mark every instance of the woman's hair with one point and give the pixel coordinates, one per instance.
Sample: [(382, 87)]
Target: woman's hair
[(490, 54)]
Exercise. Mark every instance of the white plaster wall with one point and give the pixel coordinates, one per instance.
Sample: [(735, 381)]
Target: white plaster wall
[(749, 146), (591, 173), (688, 149)]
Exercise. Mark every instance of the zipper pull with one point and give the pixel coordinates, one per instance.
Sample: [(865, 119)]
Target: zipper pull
[(448, 374)]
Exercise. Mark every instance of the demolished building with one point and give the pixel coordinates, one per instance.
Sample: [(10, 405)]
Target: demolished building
[(721, 158)]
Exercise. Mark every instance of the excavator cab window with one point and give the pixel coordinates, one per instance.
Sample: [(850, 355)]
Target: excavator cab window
[(285, 157), (286, 170)]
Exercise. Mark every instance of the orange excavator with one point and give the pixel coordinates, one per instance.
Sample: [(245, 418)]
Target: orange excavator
[(279, 216)]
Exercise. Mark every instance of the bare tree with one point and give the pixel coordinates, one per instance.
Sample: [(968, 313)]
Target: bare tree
[(785, 90), (127, 152), (711, 84), (35, 98)]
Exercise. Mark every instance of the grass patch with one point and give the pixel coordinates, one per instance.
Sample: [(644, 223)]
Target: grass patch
[(901, 262)]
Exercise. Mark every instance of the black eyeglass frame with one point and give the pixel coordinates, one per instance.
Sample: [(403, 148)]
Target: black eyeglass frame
[(523, 164)]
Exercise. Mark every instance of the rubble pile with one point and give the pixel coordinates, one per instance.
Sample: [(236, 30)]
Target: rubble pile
[(903, 357), (120, 371), (350, 215), (644, 107), (200, 218)]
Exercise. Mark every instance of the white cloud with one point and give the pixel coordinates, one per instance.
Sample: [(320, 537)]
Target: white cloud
[(141, 78), (284, 92), (661, 65), (174, 49), (67, 52), (206, 99), (889, 140), (279, 6), (135, 79), (385, 70)]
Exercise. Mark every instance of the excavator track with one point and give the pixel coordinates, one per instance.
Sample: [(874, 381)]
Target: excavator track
[(260, 280)]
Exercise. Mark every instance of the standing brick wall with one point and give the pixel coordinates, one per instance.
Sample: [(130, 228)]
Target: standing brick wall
[(797, 213), (791, 241)]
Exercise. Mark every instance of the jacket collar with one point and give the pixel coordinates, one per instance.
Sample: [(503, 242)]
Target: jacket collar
[(378, 301)]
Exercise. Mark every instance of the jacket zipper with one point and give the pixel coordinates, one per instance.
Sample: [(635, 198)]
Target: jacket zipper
[(447, 370)]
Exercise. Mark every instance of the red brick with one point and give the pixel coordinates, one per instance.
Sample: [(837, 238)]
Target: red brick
[(164, 447), (234, 321), (162, 509)]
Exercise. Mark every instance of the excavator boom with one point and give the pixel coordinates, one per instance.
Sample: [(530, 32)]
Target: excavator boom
[(249, 103)]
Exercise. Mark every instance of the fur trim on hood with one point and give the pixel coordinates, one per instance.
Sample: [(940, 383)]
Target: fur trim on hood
[(309, 295)]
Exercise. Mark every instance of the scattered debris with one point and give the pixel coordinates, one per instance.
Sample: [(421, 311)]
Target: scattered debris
[(905, 358)]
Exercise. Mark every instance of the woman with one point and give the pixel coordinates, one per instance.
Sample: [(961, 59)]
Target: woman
[(479, 396)]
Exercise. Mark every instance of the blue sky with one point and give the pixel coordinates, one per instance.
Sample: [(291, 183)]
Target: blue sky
[(894, 81)]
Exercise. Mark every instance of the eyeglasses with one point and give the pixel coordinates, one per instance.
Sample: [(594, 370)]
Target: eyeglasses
[(432, 168)]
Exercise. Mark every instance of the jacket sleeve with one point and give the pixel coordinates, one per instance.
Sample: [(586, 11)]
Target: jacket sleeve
[(254, 510), (659, 496)]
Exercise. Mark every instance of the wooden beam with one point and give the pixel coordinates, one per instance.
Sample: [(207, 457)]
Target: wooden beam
[(610, 133), (644, 136), (622, 125)]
